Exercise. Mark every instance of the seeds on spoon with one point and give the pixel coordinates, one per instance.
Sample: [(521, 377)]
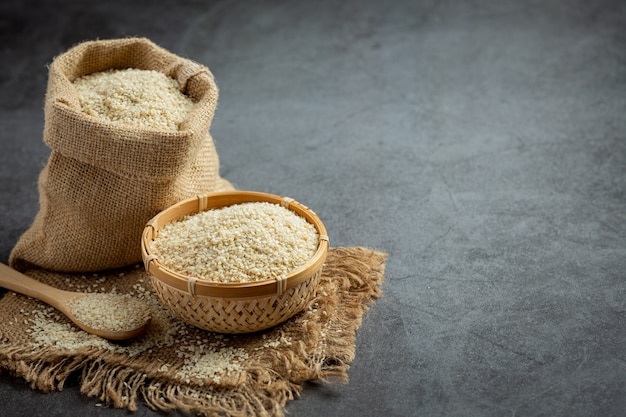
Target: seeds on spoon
[(111, 312)]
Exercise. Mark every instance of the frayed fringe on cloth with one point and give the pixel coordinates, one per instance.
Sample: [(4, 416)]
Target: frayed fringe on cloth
[(317, 345)]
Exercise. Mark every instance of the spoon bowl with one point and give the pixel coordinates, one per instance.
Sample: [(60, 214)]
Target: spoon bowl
[(64, 300)]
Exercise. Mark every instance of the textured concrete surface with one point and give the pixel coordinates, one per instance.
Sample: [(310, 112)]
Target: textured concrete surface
[(480, 143)]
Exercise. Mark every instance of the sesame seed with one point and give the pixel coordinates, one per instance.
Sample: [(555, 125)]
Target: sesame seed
[(109, 311), (238, 243), (134, 97)]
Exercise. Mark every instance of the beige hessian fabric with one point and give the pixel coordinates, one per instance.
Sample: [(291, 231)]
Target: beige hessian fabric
[(177, 366), (104, 181)]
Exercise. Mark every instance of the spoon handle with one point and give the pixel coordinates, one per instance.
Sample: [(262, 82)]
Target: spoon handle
[(23, 284)]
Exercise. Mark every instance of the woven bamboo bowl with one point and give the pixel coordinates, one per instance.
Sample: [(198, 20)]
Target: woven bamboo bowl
[(233, 307)]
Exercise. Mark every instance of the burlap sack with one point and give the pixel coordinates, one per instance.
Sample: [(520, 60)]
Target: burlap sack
[(104, 181)]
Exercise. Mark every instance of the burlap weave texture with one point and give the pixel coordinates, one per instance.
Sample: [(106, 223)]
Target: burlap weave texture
[(177, 366), (103, 181)]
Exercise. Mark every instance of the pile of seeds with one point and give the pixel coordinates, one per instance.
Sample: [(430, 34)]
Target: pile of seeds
[(238, 243), (140, 98), (112, 312)]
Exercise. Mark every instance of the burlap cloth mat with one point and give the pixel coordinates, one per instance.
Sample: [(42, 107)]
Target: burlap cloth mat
[(177, 366)]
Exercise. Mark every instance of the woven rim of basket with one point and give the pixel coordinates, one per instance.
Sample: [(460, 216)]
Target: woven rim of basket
[(197, 287)]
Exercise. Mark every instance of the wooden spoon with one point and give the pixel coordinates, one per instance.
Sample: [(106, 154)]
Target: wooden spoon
[(61, 300)]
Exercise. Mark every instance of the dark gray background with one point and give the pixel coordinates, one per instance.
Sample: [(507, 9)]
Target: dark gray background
[(479, 143)]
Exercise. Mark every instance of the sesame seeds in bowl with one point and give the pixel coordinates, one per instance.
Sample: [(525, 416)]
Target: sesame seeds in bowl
[(245, 262), (243, 242)]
